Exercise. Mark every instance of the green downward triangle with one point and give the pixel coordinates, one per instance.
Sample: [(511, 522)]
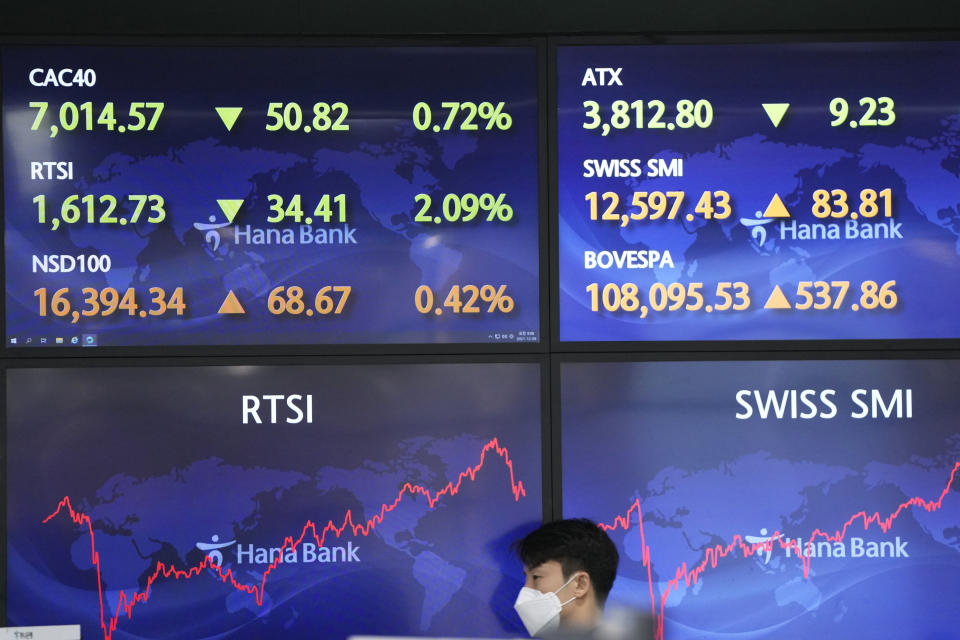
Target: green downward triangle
[(230, 208), (229, 115), (776, 111)]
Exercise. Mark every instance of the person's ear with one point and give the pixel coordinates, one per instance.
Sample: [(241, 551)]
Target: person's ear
[(581, 584)]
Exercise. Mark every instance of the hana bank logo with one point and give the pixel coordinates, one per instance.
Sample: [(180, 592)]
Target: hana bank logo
[(214, 547), (763, 538), (852, 547), (213, 234), (214, 231), (758, 234), (306, 553)]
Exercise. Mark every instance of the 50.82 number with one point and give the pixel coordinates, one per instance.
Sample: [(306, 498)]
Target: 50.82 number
[(289, 116)]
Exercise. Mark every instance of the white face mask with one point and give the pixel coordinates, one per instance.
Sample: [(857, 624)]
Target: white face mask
[(538, 611)]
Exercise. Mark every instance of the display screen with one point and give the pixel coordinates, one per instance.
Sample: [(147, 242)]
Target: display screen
[(266, 502), (758, 192), (263, 195), (772, 499)]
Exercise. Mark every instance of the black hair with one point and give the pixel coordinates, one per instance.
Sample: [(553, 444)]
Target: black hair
[(578, 545)]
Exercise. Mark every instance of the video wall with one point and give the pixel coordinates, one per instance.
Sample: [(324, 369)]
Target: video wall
[(249, 196), (266, 501), (299, 339), (766, 192), (772, 499)]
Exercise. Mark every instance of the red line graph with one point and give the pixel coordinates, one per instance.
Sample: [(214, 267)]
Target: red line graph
[(127, 603), (689, 575), (713, 554)]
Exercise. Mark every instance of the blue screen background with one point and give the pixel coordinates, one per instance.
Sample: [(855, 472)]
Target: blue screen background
[(160, 460), (918, 157), (667, 435), (381, 164)]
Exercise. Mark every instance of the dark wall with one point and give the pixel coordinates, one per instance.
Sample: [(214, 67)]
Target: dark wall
[(385, 17)]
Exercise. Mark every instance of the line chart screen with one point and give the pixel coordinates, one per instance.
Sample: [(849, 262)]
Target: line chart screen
[(218, 195), (772, 499), (265, 501), (788, 191)]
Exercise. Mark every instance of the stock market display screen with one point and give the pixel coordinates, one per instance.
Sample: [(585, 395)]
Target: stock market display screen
[(263, 195), (758, 192), (266, 502), (772, 499)]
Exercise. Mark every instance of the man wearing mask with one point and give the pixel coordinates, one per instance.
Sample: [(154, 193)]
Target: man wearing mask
[(569, 566)]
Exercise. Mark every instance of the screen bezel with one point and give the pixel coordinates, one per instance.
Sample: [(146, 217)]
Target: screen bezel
[(727, 347), (538, 44), (546, 432)]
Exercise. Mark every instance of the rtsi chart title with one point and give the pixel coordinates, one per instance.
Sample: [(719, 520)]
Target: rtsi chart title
[(276, 408)]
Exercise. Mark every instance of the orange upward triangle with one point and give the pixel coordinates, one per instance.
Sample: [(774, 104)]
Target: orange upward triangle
[(777, 300), (776, 208), (231, 305)]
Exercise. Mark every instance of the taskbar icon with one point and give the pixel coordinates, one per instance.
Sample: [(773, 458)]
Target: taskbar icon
[(84, 340), (512, 336)]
